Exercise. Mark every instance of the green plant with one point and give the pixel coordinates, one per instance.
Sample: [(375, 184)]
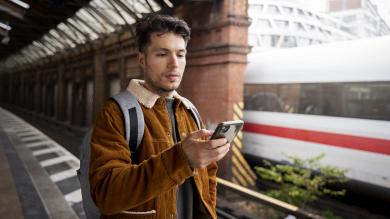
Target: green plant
[(329, 214), (303, 181)]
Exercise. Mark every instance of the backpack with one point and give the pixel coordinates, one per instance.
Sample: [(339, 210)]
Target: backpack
[(134, 130)]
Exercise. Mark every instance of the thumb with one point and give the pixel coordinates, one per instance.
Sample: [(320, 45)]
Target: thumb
[(200, 134)]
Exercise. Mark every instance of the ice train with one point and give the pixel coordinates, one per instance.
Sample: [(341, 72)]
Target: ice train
[(331, 98)]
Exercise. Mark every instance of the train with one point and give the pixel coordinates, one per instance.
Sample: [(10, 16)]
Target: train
[(330, 98)]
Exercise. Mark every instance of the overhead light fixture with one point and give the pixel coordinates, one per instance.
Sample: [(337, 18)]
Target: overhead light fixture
[(4, 29), (21, 3), (169, 3), (5, 26)]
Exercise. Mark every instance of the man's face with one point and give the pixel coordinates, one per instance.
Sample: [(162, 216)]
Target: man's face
[(163, 62)]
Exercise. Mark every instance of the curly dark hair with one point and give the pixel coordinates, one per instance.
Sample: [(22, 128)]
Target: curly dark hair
[(159, 23)]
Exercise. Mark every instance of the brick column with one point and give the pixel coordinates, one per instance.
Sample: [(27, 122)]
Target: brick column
[(216, 61)]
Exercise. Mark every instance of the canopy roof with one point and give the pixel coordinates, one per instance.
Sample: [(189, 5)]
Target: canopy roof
[(31, 30)]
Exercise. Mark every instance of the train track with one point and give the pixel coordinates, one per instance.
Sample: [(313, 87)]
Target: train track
[(224, 214)]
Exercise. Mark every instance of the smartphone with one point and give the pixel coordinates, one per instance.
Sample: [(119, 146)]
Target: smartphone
[(228, 130)]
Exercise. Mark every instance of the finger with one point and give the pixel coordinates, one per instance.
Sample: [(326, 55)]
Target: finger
[(224, 150), (216, 143), (200, 134), (218, 153)]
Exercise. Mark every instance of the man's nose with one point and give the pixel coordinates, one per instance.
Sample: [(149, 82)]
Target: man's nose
[(173, 61)]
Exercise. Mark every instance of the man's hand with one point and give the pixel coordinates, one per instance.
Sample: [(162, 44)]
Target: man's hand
[(201, 153)]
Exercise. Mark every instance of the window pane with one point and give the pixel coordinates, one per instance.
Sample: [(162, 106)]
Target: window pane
[(367, 100)]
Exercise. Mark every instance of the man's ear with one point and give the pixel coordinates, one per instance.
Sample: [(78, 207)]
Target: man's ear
[(141, 59)]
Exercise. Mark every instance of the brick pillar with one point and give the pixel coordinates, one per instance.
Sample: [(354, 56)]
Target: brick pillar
[(216, 61)]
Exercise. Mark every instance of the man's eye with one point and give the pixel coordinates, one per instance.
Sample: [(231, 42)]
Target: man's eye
[(181, 55), (161, 54)]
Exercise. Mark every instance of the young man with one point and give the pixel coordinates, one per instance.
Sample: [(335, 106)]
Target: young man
[(176, 173)]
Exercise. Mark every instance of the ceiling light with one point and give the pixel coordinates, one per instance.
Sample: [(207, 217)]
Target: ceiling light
[(5, 26), (169, 3), (21, 4)]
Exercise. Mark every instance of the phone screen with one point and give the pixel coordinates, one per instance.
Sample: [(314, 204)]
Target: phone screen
[(228, 130)]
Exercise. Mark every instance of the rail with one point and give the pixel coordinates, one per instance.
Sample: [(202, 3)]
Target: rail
[(266, 200)]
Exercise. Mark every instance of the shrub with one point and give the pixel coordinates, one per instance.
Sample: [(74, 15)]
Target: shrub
[(303, 181)]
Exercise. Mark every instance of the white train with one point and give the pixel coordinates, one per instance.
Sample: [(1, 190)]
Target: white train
[(330, 98)]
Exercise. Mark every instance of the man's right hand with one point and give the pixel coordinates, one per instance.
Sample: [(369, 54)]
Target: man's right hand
[(201, 153)]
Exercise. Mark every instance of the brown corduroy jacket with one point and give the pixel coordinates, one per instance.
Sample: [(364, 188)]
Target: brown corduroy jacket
[(121, 189)]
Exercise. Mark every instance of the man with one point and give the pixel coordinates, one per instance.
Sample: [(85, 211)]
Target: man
[(176, 173)]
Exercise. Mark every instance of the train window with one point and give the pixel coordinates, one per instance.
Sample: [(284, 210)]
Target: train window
[(289, 41), (368, 100), (281, 23), (288, 10)]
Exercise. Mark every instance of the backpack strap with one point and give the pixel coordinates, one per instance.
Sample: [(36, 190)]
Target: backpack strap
[(90, 209), (133, 118), (194, 111)]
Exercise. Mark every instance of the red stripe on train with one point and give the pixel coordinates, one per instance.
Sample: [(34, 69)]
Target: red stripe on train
[(375, 145)]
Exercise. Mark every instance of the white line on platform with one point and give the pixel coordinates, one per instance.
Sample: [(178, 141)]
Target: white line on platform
[(36, 144), (64, 175), (73, 197), (37, 137), (55, 160), (44, 151), (28, 133), (29, 129)]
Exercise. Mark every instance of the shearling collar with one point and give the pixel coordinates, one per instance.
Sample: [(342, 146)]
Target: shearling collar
[(146, 97)]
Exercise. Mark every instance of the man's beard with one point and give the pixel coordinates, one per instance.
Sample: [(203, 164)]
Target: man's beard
[(159, 87)]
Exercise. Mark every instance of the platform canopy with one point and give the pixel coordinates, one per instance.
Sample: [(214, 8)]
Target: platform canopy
[(31, 30)]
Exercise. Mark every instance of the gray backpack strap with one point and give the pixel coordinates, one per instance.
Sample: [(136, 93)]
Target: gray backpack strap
[(133, 118), (90, 209), (194, 111)]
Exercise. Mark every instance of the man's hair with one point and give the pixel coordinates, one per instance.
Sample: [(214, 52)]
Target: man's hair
[(158, 23)]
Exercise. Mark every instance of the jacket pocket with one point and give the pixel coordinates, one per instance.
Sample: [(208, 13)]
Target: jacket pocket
[(137, 214)]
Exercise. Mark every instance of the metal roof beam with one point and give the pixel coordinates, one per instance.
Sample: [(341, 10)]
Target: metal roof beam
[(67, 36), (124, 6), (150, 6), (123, 18), (77, 29), (51, 39), (87, 25), (103, 16), (58, 38), (91, 12), (96, 17)]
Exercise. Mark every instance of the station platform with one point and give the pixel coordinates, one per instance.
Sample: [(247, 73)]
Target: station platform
[(38, 176)]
